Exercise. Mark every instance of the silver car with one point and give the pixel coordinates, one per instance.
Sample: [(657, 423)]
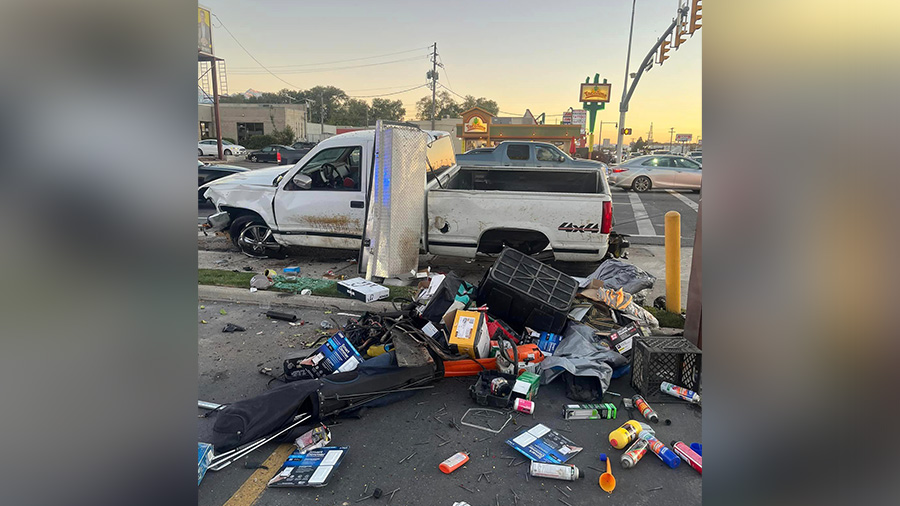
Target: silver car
[(657, 171)]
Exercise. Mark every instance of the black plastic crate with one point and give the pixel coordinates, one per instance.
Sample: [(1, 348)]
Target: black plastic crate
[(524, 292), (658, 359), (481, 390)]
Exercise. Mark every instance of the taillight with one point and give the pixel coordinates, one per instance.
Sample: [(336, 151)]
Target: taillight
[(278, 156), (606, 223), (616, 171)]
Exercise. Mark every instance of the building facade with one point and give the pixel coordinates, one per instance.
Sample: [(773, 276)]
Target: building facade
[(241, 121)]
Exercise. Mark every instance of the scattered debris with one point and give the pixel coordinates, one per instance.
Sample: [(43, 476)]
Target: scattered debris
[(231, 327)]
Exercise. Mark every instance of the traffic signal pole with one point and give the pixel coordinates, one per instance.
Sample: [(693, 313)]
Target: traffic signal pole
[(626, 96)]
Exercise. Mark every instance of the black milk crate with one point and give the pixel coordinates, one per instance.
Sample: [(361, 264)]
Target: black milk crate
[(657, 359), (524, 292)]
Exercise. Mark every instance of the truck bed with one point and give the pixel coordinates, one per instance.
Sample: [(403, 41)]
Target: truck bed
[(563, 205)]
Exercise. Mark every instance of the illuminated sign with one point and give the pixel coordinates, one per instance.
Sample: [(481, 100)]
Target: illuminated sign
[(594, 92), (683, 137), (475, 124), (204, 31)]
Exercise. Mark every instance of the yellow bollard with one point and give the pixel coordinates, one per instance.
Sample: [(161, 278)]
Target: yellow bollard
[(590, 144), (673, 262)]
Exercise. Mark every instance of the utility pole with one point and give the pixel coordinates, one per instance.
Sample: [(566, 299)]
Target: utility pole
[(645, 64), (621, 125), (671, 136), (650, 135), (434, 77), (321, 116)]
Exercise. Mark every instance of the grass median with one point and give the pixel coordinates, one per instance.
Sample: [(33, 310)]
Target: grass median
[(318, 287)]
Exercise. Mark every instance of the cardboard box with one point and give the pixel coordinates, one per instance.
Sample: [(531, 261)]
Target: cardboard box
[(622, 340), (336, 355), (526, 386), (549, 342), (541, 444), (204, 456), (470, 334), (309, 469), (363, 290)]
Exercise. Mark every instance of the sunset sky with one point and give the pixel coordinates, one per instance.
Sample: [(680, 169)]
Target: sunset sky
[(522, 54)]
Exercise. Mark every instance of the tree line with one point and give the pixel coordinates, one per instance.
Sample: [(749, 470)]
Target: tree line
[(332, 105)]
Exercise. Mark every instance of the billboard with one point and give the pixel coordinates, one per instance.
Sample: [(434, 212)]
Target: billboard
[(566, 118), (204, 32), (683, 137), (594, 92), (579, 117)]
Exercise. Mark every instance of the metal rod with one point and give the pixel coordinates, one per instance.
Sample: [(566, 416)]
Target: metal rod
[(208, 405), (222, 461)]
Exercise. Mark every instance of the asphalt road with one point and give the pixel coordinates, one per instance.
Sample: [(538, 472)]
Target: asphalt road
[(228, 365)]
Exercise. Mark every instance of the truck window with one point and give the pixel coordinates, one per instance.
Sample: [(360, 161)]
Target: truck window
[(517, 151), (545, 155), (343, 173)]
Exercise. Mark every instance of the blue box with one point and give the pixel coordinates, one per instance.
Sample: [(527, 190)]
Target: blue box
[(204, 456), (549, 342)]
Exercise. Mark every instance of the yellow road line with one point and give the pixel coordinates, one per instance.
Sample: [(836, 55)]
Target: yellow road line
[(250, 491)]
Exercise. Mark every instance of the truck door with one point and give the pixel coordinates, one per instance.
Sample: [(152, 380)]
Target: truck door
[(518, 155), (330, 213), (687, 173)]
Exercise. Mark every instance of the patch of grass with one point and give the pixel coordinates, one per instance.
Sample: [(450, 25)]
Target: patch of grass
[(219, 277), (667, 319), (319, 287)]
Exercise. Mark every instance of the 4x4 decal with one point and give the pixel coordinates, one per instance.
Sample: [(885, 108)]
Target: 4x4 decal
[(593, 228)]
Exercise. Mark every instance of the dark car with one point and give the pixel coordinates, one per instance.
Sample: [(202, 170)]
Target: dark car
[(276, 153), (207, 173), (301, 145)]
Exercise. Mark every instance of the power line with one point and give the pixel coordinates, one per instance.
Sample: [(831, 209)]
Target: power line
[(388, 94), (253, 57), (382, 88), (329, 69), (340, 61), (446, 74)]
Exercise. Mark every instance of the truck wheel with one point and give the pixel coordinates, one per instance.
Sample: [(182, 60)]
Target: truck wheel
[(641, 184), (254, 238)]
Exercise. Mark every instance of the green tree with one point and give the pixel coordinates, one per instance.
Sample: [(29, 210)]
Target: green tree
[(639, 145), (446, 106), (383, 108), (488, 105), (333, 98), (353, 112), (286, 136)]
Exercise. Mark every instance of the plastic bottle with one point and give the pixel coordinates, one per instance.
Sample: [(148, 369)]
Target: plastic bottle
[(645, 409), (380, 349), (566, 472), (688, 455), (680, 392), (454, 462), (661, 451), (625, 434), (697, 447), (635, 453)]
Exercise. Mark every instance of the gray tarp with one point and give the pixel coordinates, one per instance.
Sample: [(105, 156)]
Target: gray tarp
[(581, 356), (617, 274)]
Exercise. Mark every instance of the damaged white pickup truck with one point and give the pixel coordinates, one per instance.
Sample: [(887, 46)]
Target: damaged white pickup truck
[(323, 200)]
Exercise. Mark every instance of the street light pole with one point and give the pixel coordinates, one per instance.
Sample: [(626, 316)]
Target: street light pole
[(600, 133), (621, 137)]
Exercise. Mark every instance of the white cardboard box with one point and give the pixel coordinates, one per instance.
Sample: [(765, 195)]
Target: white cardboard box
[(363, 290)]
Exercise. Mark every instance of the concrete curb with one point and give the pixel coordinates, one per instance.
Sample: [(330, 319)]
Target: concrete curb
[(244, 296)]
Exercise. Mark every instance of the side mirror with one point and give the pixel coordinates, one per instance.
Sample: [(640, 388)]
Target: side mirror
[(302, 181)]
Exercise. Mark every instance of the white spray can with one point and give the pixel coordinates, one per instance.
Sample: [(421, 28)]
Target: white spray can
[(566, 472)]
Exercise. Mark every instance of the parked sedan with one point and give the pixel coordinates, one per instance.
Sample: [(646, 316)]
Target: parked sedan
[(207, 173), (657, 171), (208, 147), (272, 153)]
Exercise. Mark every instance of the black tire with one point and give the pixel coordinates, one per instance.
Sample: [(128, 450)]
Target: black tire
[(641, 184), (227, 152), (253, 158), (200, 151), (252, 237)]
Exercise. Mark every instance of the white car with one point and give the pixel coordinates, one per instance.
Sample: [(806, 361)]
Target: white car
[(207, 147)]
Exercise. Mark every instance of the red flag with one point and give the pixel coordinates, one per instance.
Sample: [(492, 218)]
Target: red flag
[(572, 147)]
